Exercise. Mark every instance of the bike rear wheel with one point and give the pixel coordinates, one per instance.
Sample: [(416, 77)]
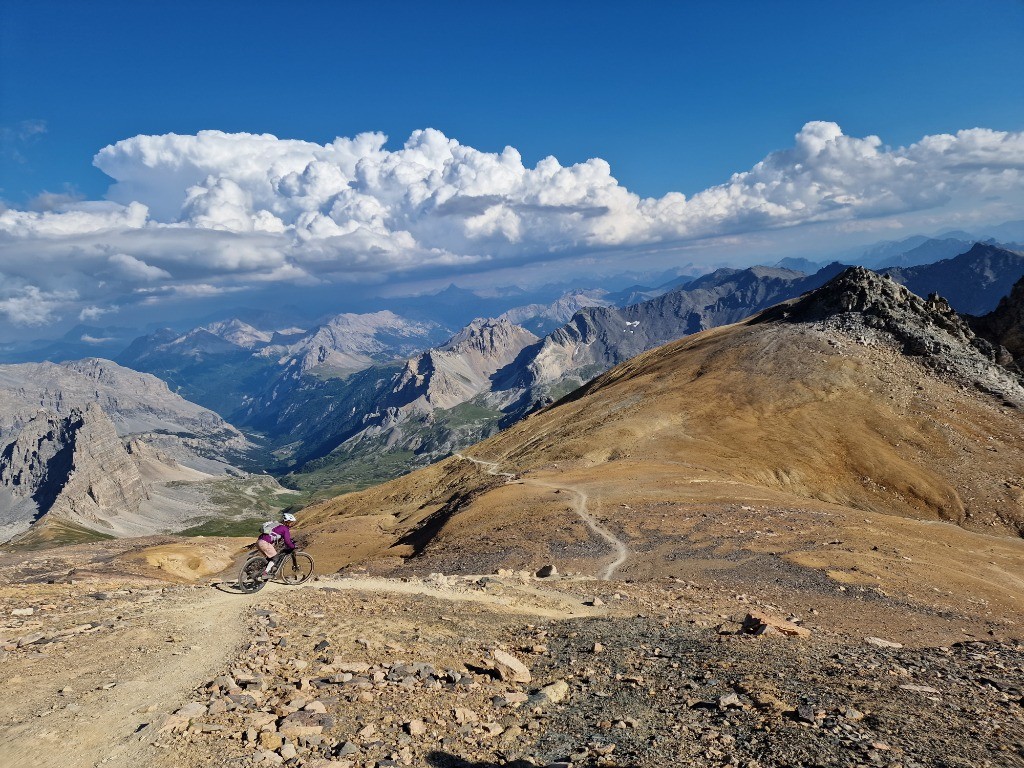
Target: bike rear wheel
[(296, 569), (250, 578)]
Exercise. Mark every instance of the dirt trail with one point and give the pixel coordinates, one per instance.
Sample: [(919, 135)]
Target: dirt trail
[(580, 508), (171, 644), (167, 650), (519, 598)]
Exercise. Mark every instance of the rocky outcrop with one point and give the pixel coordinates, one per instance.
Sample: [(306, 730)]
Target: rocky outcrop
[(73, 467), (866, 304)]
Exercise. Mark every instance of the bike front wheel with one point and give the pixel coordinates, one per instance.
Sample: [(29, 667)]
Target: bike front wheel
[(296, 569), (250, 578)]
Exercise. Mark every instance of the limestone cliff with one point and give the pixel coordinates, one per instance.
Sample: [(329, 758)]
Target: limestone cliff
[(462, 368), (138, 404), (73, 468)]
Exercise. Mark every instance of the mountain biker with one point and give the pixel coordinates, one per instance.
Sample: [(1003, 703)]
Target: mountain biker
[(279, 533)]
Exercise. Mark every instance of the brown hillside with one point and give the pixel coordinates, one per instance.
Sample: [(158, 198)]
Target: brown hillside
[(795, 451)]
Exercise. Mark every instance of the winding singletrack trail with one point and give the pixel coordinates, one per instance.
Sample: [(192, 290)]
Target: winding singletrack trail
[(622, 552)]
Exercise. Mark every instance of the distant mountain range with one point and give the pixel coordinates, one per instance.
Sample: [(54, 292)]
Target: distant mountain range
[(358, 398), (973, 282)]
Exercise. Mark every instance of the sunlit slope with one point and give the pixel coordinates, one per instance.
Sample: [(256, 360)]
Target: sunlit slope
[(806, 435)]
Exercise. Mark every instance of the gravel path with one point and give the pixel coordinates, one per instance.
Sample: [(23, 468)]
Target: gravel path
[(167, 644), (622, 552)]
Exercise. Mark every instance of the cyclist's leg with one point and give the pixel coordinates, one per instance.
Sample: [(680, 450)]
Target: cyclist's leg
[(270, 551)]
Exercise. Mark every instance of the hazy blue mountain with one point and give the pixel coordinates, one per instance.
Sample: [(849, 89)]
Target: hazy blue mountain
[(80, 341), (544, 318), (928, 252), (799, 264), (972, 282)]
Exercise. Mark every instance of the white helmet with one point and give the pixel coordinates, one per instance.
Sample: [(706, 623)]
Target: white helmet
[(287, 517)]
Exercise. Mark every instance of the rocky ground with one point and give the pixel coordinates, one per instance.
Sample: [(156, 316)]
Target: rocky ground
[(505, 669)]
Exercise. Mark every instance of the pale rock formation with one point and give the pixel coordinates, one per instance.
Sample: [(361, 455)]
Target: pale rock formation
[(72, 467), (462, 368)]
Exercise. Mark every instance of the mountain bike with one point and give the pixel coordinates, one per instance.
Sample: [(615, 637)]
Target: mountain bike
[(291, 567)]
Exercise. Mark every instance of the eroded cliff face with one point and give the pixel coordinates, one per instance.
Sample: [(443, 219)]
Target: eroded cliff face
[(138, 405), (73, 468), (462, 368)]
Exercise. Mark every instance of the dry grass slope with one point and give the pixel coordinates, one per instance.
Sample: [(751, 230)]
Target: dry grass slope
[(761, 451)]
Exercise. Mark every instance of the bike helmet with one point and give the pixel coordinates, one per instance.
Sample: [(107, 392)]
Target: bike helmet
[(287, 517)]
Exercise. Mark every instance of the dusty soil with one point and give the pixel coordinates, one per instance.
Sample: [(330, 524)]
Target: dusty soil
[(846, 488), (656, 673)]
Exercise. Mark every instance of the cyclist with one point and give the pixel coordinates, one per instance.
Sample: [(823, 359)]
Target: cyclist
[(279, 533)]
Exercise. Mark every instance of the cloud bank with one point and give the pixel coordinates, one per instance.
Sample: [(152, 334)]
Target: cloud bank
[(196, 215)]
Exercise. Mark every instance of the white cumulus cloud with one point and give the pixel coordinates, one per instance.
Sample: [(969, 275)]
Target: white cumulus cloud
[(92, 312), (215, 211), (134, 268), (31, 306)]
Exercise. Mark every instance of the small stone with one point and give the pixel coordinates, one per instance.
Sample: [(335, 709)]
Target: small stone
[(550, 694), (23, 611), (219, 707), (192, 709), (288, 751), (367, 731), (595, 601), (760, 623), (919, 688), (853, 714), (348, 748), (805, 713), (509, 667), (415, 727), (271, 740), (464, 716), (729, 700), (880, 643), (493, 729), (598, 648), (547, 571), (510, 699)]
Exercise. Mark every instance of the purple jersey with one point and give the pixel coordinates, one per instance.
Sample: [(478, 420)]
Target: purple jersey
[(282, 532)]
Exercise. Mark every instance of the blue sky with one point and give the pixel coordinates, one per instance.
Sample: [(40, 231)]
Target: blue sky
[(676, 96), (671, 99)]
